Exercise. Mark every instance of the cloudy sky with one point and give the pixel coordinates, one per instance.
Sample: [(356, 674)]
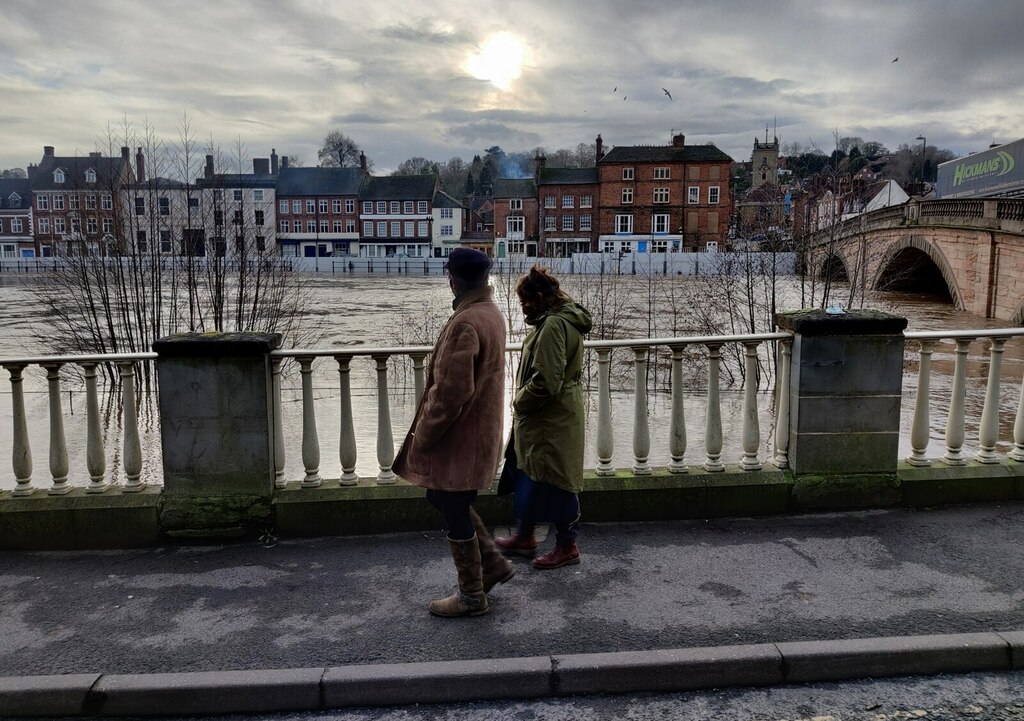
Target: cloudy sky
[(440, 78)]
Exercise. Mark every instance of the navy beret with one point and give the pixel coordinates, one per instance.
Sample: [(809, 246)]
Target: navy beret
[(468, 263)]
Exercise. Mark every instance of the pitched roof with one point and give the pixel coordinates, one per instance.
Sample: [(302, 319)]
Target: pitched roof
[(108, 170), (443, 200), (568, 176), (319, 181), (20, 186), (399, 187), (237, 180), (665, 154), (159, 183), (514, 188)]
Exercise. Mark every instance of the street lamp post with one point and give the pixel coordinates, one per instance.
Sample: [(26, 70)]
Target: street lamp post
[(924, 143)]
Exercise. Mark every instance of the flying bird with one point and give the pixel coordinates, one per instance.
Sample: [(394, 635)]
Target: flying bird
[(667, 93), (894, 59), (624, 97), (615, 89)]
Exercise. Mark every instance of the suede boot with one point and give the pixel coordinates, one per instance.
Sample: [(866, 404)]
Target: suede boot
[(497, 569), (470, 599)]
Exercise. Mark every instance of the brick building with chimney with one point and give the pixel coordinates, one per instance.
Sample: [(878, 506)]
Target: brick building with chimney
[(663, 198), (73, 201), (318, 209), (515, 217), (568, 208)]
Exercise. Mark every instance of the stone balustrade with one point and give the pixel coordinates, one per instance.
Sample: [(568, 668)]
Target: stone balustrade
[(837, 415)]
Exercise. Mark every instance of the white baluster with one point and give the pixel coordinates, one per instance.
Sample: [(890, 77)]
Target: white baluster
[(58, 443), (782, 386), (641, 425), (677, 429), (605, 440), (988, 433), (21, 450), (310, 439), (1017, 453), (921, 426), (955, 422), (95, 455), (279, 451), (713, 418), (751, 426), (130, 423), (347, 435), (418, 373), (385, 440)]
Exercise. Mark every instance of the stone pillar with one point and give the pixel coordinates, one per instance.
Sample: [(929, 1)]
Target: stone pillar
[(846, 380), (217, 432)]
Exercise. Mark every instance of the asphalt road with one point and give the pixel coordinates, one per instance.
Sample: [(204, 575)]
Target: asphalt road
[(360, 600)]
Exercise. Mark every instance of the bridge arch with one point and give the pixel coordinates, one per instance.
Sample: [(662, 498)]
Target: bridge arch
[(1018, 317), (910, 246), (834, 268)]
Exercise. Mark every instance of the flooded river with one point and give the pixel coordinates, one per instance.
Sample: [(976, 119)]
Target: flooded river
[(405, 310)]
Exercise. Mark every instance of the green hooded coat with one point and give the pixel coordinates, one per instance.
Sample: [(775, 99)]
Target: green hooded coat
[(548, 414)]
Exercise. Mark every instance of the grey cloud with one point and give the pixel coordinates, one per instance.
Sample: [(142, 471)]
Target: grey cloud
[(423, 35), (499, 133)]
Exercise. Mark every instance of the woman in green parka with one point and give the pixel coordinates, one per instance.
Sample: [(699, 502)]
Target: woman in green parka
[(548, 419)]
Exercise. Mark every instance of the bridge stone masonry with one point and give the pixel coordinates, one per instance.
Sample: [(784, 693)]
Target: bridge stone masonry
[(975, 246), (835, 445)]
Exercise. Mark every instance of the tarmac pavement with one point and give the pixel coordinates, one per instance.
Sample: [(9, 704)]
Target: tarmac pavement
[(331, 622)]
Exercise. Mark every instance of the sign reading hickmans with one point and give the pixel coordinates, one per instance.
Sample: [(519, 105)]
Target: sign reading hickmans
[(995, 172)]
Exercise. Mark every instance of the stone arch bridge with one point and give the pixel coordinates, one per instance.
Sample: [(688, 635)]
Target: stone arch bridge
[(971, 249)]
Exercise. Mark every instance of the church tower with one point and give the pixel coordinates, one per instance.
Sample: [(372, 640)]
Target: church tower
[(764, 162)]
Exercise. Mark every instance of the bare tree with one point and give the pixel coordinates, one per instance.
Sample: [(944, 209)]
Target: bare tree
[(338, 151)]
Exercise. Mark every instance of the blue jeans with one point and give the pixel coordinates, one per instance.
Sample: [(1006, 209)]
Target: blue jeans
[(538, 501)]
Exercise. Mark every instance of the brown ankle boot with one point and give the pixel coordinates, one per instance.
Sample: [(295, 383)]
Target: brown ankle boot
[(497, 568), (518, 545), (557, 557), (470, 599)]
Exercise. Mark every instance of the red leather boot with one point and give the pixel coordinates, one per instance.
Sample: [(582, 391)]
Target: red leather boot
[(557, 557)]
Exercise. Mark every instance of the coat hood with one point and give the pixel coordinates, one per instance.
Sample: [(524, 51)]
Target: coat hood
[(576, 315)]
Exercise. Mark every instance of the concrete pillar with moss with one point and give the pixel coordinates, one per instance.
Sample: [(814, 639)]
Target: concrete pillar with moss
[(217, 432), (846, 382)]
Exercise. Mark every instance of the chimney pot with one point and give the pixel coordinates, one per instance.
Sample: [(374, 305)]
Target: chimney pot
[(273, 161), (362, 160), (208, 171), (124, 152), (599, 147)]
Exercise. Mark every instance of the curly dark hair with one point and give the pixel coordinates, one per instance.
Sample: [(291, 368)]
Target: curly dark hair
[(540, 281)]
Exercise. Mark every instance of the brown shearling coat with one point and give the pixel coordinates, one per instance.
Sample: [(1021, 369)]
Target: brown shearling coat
[(455, 440)]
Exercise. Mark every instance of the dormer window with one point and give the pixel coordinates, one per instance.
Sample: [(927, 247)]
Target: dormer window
[(14, 201), (58, 176), (90, 176)]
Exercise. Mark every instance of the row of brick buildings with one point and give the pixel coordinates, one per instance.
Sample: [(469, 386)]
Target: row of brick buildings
[(669, 198)]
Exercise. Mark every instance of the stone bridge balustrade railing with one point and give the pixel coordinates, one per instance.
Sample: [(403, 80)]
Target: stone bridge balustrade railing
[(955, 436), (837, 409), (641, 349), (21, 452)]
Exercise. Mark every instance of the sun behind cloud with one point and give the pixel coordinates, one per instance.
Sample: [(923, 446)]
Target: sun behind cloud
[(499, 60)]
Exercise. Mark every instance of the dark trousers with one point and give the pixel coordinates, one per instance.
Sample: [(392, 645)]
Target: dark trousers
[(454, 506), (537, 501)]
